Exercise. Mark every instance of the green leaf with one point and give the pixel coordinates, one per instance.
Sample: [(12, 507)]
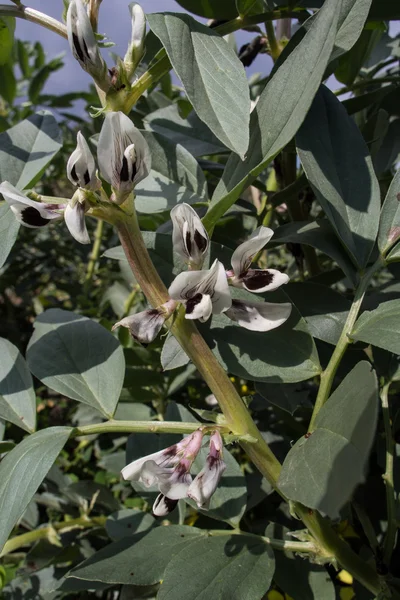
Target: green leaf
[(172, 355), (380, 327), (38, 82), (325, 315), (301, 579), (389, 225), (7, 28), (9, 228), (286, 354), (339, 168), (125, 522), (138, 560), (211, 73), (8, 89), (351, 62), (211, 9), (27, 148), (229, 567), (280, 110), (175, 177), (251, 7), (17, 396), (191, 133), (23, 470), (321, 471), (321, 236), (78, 358), (288, 396)]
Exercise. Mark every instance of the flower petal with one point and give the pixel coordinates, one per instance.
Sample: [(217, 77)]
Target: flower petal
[(82, 40), (123, 153), (163, 506), (152, 474), (29, 212), (135, 49), (74, 216), (262, 280), (212, 283), (144, 326), (190, 239), (176, 485), (244, 254), (81, 168), (207, 480), (259, 316), (199, 307), (132, 471)]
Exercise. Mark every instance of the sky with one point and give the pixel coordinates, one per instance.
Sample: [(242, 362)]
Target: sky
[(115, 23)]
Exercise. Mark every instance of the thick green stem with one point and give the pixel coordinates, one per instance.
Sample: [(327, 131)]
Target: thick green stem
[(274, 47), (390, 538), (329, 373), (31, 537), (35, 16), (141, 427)]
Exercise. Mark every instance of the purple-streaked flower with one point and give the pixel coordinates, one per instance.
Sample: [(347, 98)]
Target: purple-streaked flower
[(146, 325), (123, 155), (167, 469), (74, 216), (135, 49), (259, 316), (81, 167), (83, 44), (202, 292), (29, 212), (254, 280), (206, 482), (189, 237)]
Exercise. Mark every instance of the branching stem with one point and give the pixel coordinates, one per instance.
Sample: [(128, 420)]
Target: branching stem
[(35, 16), (328, 375)]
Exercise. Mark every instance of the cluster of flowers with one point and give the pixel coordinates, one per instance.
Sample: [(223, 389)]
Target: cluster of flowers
[(169, 470)]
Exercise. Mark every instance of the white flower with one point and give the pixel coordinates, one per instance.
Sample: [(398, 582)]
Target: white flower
[(83, 43), (189, 237), (29, 212), (255, 280), (123, 154), (74, 216), (168, 469), (202, 292), (206, 482), (135, 49), (81, 168), (146, 325), (259, 316)]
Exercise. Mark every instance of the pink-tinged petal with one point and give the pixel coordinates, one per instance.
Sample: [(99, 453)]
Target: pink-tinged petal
[(244, 254), (175, 486), (75, 221), (259, 316), (152, 474), (206, 482), (144, 326)]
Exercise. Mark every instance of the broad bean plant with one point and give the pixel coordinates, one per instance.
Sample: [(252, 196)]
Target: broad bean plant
[(199, 372)]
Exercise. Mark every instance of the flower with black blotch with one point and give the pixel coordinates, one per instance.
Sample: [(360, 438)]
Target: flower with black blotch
[(29, 212), (123, 155), (146, 325), (81, 167), (206, 481), (259, 316), (202, 292), (189, 237)]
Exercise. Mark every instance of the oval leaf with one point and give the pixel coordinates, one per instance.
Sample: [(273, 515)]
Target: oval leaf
[(78, 358), (23, 470), (321, 471), (337, 163), (17, 396), (280, 110), (211, 73), (389, 225), (380, 327)]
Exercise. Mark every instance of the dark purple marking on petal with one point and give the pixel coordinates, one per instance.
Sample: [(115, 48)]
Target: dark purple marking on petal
[(193, 302), (169, 504), (86, 177), (74, 174), (31, 216), (188, 243), (124, 173), (200, 241), (255, 280)]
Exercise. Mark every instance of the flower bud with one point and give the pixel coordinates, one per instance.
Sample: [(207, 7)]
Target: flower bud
[(135, 50), (189, 237), (123, 155), (81, 168), (83, 44), (145, 326)]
